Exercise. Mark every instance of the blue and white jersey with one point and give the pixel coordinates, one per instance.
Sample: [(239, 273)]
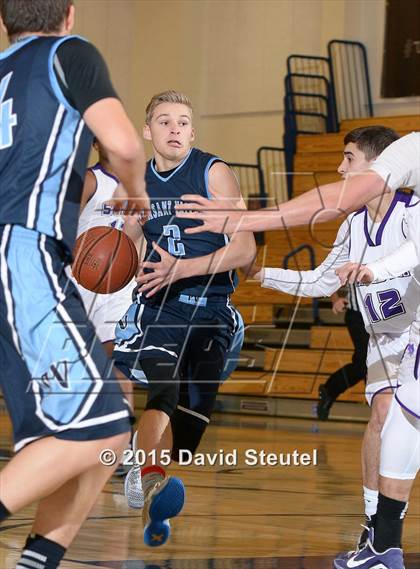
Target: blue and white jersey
[(163, 227), (389, 305), (44, 144)]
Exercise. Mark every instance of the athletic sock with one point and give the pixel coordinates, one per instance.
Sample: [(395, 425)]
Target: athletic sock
[(41, 553), (4, 512), (150, 476), (389, 523), (371, 501)]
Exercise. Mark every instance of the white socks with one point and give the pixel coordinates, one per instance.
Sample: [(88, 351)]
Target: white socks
[(371, 501)]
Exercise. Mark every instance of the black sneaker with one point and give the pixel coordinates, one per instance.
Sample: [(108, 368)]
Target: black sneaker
[(369, 523), (324, 404)]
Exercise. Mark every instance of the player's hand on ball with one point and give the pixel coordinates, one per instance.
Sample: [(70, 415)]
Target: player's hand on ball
[(354, 272), (164, 272), (218, 215)]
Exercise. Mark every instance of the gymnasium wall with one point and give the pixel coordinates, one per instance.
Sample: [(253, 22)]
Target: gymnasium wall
[(228, 55)]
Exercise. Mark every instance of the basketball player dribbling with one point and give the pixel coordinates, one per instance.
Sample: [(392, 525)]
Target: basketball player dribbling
[(62, 397), (105, 310), (179, 335)]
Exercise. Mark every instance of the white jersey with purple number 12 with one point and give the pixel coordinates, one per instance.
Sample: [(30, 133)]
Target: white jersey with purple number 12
[(388, 305), (399, 166)]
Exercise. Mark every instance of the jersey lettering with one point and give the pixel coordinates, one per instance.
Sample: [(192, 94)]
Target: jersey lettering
[(390, 305), (7, 118), (175, 247)]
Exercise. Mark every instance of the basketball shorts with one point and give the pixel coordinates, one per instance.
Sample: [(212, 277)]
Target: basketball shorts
[(166, 330), (385, 352), (231, 359), (400, 443), (202, 336), (55, 376), (408, 392), (105, 310)]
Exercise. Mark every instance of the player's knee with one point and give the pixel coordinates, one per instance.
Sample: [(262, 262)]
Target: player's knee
[(163, 385), (187, 431), (381, 404), (163, 397)]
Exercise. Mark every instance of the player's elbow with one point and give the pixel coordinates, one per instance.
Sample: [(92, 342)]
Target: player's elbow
[(128, 149)]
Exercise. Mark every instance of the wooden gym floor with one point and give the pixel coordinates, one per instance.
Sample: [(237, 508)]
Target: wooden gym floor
[(236, 517)]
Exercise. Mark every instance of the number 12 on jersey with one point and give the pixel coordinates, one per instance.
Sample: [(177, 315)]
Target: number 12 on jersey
[(175, 247), (7, 118), (390, 305)]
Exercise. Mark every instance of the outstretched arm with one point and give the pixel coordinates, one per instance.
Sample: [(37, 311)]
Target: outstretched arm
[(321, 281), (395, 264), (397, 166), (239, 252), (318, 205)]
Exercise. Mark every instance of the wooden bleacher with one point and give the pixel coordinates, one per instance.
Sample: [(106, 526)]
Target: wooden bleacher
[(296, 372)]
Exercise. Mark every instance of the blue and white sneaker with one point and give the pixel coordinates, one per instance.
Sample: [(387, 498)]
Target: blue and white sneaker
[(164, 501), (368, 558), (133, 489)]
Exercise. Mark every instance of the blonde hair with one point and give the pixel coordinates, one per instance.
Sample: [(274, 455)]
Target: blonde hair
[(169, 96)]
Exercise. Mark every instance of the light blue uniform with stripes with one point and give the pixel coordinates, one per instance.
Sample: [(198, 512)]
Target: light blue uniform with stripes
[(55, 377)]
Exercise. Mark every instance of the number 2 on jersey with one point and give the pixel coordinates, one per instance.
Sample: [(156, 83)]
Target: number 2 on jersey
[(175, 247), (7, 118)]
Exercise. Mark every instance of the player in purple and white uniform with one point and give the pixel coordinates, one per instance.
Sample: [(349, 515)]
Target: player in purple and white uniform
[(387, 307), (398, 166)]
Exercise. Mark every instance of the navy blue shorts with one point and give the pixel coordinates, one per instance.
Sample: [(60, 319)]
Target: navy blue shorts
[(200, 338), (55, 376), (166, 330)]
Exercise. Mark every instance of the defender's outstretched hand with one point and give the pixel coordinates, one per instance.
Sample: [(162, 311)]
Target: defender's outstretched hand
[(354, 272), (218, 215)]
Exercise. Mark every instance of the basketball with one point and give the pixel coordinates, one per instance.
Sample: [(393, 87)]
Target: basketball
[(105, 260)]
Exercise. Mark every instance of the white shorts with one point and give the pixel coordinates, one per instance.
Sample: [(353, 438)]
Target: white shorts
[(400, 444), (105, 310), (385, 352), (408, 392)]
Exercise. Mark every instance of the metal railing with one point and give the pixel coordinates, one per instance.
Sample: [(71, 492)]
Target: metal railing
[(272, 163), (321, 91), (350, 79), (251, 180), (312, 64), (311, 95)]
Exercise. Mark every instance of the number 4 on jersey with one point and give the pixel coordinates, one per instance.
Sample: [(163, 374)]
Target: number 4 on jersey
[(7, 118)]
